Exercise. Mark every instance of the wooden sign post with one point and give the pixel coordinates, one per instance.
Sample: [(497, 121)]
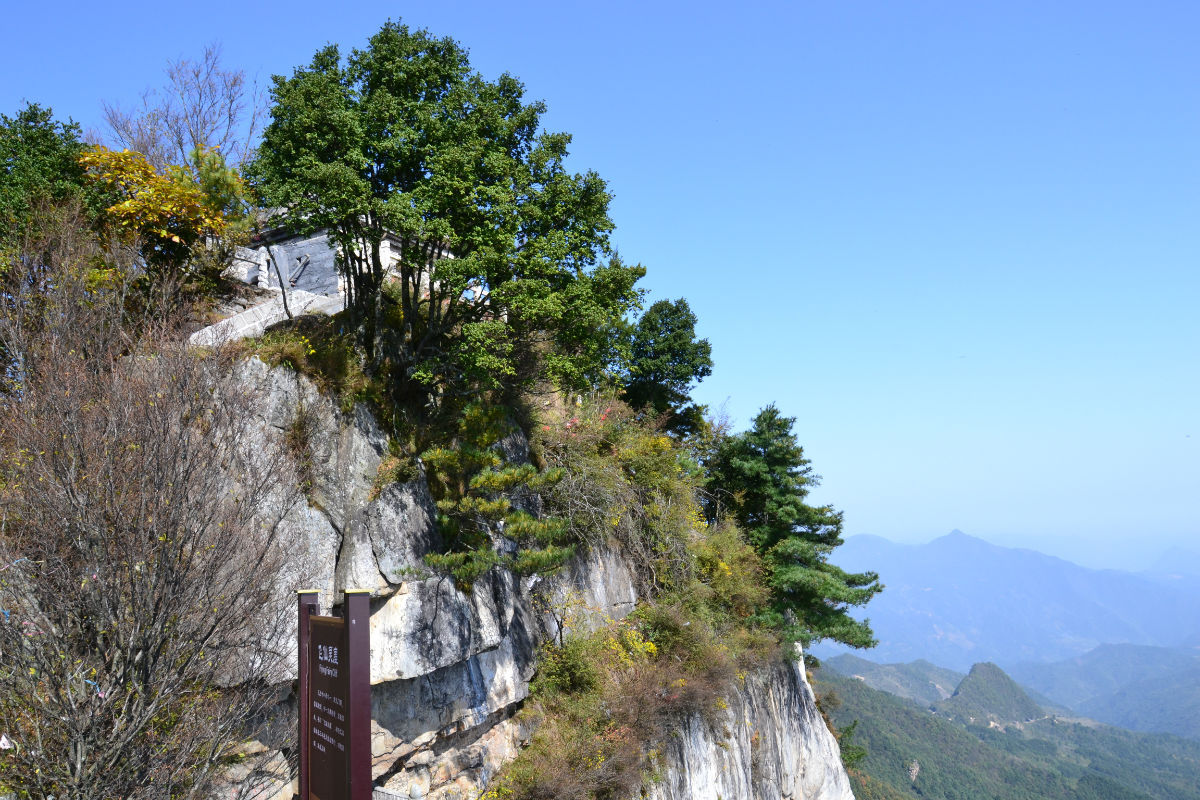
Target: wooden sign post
[(335, 699)]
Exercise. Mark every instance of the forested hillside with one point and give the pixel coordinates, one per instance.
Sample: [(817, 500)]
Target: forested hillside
[(916, 752), (1138, 687), (987, 695), (920, 681)]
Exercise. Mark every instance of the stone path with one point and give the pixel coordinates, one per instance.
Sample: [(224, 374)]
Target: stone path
[(253, 321)]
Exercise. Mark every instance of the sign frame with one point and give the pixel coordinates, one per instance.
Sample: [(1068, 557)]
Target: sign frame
[(335, 662)]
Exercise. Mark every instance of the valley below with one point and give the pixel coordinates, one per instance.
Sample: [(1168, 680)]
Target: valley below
[(1006, 673)]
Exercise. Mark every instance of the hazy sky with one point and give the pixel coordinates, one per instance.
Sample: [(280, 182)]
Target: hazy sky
[(958, 241)]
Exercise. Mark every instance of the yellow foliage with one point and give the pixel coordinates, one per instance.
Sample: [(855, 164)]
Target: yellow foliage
[(167, 209), (628, 644)]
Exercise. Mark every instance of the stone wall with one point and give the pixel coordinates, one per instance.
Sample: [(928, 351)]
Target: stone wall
[(307, 264)]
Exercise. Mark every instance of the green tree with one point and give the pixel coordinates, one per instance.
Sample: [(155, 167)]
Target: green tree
[(170, 213), (39, 162), (665, 358), (475, 489), (762, 478), (501, 250)]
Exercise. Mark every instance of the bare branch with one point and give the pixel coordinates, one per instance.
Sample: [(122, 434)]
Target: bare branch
[(202, 105), (140, 535)]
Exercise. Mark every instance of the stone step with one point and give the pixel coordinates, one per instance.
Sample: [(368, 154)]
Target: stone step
[(254, 321)]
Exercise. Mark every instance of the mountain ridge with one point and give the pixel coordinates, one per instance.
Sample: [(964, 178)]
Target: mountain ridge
[(988, 694), (917, 754), (959, 600)]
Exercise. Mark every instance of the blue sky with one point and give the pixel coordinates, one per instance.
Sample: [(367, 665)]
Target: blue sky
[(957, 241)]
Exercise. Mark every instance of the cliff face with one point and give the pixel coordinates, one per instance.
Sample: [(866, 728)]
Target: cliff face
[(771, 743), (450, 670)]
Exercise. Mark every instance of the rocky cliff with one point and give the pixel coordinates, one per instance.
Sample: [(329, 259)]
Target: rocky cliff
[(450, 670)]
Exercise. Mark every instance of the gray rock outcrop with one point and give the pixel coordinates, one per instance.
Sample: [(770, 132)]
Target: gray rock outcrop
[(451, 669)]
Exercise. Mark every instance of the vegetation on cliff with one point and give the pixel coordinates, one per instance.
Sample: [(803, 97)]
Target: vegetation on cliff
[(502, 253), (139, 537), (505, 318)]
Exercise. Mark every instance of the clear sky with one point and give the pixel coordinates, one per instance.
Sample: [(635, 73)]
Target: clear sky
[(957, 241)]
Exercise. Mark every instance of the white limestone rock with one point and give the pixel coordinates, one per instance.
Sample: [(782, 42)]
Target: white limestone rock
[(402, 527), (347, 464), (451, 709), (769, 743), (594, 588), (451, 669), (429, 624)]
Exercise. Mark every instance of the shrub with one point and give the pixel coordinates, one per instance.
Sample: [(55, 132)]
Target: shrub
[(393, 468), (603, 703), (569, 668), (297, 439), (589, 743), (139, 549), (622, 479), (731, 574), (315, 347)]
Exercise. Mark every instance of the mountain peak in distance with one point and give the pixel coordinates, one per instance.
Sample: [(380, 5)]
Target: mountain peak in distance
[(960, 600), (988, 694)]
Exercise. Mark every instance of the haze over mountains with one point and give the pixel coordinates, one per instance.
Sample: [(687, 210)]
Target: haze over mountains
[(959, 600), (1119, 647), (1143, 688)]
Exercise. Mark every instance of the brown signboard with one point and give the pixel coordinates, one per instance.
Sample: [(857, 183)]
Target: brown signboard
[(335, 700)]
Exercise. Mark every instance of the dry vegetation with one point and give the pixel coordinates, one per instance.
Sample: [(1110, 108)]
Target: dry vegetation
[(604, 702), (135, 553)]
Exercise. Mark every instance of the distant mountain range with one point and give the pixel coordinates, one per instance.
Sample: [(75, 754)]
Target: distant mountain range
[(990, 739), (920, 681), (959, 600), (1179, 562), (1179, 569), (1134, 686)]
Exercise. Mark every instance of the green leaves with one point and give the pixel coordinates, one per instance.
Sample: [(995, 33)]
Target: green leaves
[(761, 478), (39, 161), (169, 210), (499, 247), (475, 490), (666, 357)]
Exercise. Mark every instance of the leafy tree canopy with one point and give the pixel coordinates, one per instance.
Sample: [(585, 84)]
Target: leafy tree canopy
[(502, 251), (762, 478), (169, 211), (39, 162), (665, 358)]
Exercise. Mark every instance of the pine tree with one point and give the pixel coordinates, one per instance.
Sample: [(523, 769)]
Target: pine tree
[(475, 488), (761, 478)]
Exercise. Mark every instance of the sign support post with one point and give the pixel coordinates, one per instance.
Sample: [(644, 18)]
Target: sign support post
[(357, 614), (308, 607), (335, 699)]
